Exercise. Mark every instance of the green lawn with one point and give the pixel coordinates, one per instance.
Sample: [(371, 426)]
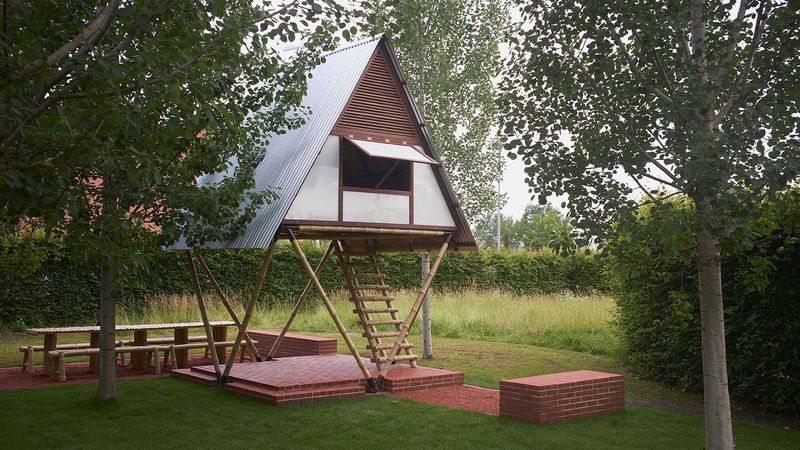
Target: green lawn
[(169, 413)]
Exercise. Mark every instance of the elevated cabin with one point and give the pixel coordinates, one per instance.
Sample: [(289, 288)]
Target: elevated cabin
[(362, 173)]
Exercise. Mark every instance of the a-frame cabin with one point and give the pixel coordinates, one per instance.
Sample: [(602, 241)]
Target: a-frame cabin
[(362, 173)]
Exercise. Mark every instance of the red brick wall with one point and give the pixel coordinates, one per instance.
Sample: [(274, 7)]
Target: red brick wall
[(293, 344), (562, 396)]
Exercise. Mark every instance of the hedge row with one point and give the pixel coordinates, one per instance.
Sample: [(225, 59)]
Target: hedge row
[(41, 285), (659, 312)]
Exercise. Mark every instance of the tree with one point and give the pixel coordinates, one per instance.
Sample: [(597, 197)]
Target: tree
[(450, 51), (541, 226), (108, 114), (699, 97)]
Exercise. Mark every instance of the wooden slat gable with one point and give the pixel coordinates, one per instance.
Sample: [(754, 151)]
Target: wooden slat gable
[(377, 109)]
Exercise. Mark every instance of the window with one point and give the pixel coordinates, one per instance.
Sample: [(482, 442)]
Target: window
[(359, 170)]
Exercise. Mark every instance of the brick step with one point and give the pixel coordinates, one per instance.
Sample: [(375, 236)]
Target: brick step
[(372, 298), (195, 375), (297, 396), (376, 310)]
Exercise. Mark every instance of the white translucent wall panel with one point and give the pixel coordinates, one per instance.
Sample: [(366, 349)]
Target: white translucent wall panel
[(375, 208), (318, 198), (430, 207)]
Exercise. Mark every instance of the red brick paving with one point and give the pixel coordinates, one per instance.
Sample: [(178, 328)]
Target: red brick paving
[(77, 373), (464, 396)]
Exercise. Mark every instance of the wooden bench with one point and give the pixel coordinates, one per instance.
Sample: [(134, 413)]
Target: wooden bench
[(28, 351), (170, 360), (60, 355)]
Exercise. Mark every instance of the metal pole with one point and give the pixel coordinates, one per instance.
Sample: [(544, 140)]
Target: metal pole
[(427, 346)]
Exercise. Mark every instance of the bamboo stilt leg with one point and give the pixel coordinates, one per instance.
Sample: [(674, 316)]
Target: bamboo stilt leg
[(203, 312), (329, 306), (249, 312), (226, 303), (412, 315), (275, 346)]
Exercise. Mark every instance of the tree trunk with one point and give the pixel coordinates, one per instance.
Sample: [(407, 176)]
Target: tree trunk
[(719, 434), (107, 386), (427, 345)]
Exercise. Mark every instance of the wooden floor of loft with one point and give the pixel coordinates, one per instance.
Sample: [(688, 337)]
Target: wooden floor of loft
[(303, 379)]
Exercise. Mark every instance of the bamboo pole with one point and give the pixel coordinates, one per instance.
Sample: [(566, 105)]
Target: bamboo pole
[(342, 330), (203, 314), (249, 312), (226, 303), (276, 345), (412, 315)]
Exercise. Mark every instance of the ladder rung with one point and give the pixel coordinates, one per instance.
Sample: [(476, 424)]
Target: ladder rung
[(371, 298), (396, 358), (366, 275), (358, 265), (374, 287), (383, 322), (375, 310), (388, 346), (382, 334), (355, 253)]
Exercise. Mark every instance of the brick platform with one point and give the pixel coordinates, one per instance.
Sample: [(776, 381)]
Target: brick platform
[(293, 344), (322, 377), (562, 396)]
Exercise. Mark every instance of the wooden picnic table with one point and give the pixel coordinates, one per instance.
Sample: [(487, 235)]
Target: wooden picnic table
[(138, 360)]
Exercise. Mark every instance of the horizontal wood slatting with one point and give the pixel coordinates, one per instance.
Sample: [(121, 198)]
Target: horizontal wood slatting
[(377, 107)]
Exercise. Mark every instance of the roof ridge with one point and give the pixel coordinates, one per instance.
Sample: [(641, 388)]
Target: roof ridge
[(354, 44)]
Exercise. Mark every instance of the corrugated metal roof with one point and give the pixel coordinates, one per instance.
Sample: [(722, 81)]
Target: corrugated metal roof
[(289, 156)]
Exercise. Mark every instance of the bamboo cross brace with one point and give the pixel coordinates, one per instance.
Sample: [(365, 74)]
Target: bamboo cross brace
[(276, 345), (331, 310), (412, 315), (204, 314), (249, 312), (226, 303)]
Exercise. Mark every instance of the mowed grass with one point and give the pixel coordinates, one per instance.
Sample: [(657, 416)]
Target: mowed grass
[(171, 413)]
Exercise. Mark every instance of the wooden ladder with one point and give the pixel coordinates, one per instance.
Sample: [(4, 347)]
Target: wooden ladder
[(374, 305)]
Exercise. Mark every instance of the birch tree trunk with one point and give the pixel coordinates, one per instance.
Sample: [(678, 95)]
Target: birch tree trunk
[(717, 405), (107, 386)]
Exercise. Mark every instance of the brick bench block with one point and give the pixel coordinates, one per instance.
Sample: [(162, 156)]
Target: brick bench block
[(293, 344), (562, 396)]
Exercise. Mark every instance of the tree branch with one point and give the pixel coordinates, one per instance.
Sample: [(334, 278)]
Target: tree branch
[(758, 32), (734, 41), (634, 67), (94, 30)]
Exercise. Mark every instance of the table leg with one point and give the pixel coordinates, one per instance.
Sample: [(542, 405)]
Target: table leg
[(50, 343), (181, 356), (220, 334), (139, 359), (94, 360)]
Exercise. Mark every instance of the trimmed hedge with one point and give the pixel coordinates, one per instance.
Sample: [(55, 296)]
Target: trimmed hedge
[(658, 306), (41, 285)]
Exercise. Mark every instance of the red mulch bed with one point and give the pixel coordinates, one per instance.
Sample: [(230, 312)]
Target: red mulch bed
[(77, 373), (464, 396)]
